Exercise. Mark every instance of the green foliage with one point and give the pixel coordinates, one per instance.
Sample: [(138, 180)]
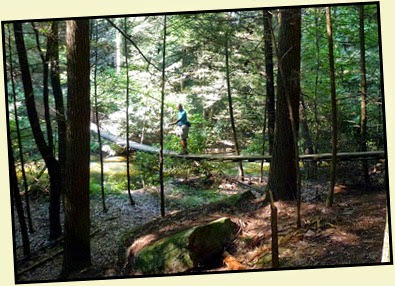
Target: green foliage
[(94, 187), (115, 181), (94, 147), (36, 179), (315, 80), (195, 77), (255, 146), (188, 197), (147, 167), (197, 141)]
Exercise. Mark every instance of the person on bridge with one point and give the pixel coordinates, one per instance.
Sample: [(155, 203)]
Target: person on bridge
[(183, 128)]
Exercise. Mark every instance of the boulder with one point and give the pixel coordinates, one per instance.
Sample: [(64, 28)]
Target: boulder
[(187, 249)]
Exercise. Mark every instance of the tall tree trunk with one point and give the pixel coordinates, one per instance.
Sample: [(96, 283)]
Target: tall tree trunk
[(162, 188), (45, 59), (267, 23), (45, 151), (127, 116), (364, 118), (317, 76), (274, 230), (270, 103), (53, 51), (305, 132), (142, 142), (284, 173), (15, 194), (77, 221), (263, 140), (97, 119), (16, 198), (20, 147), (308, 142), (143, 127), (118, 42), (329, 200), (232, 120), (143, 130)]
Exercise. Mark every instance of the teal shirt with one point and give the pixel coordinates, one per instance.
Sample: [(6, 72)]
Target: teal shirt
[(182, 117)]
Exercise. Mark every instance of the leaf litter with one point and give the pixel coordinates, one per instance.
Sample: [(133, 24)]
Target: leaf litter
[(351, 232)]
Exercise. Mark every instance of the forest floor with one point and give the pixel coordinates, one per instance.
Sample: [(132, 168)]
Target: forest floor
[(351, 232)]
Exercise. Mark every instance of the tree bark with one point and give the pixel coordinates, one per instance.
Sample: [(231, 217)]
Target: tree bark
[(329, 200), (45, 59), (45, 151), (20, 147), (274, 229), (143, 125), (267, 23), (127, 116), (270, 102), (53, 51), (283, 177), (263, 140), (232, 120), (364, 117), (118, 42), (97, 119), (306, 135), (317, 76), (15, 194), (16, 198), (308, 142), (162, 188), (77, 254)]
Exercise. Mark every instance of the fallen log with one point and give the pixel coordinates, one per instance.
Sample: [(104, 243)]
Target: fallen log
[(345, 156)]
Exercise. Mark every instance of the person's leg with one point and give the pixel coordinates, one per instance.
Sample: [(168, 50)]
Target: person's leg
[(185, 131), (179, 131), (183, 136), (184, 145)]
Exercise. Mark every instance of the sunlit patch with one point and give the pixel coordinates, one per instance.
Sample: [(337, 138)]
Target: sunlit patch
[(115, 159), (340, 189), (141, 242), (365, 223), (343, 237)]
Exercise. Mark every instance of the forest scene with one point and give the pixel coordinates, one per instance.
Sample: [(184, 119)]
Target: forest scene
[(185, 143)]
